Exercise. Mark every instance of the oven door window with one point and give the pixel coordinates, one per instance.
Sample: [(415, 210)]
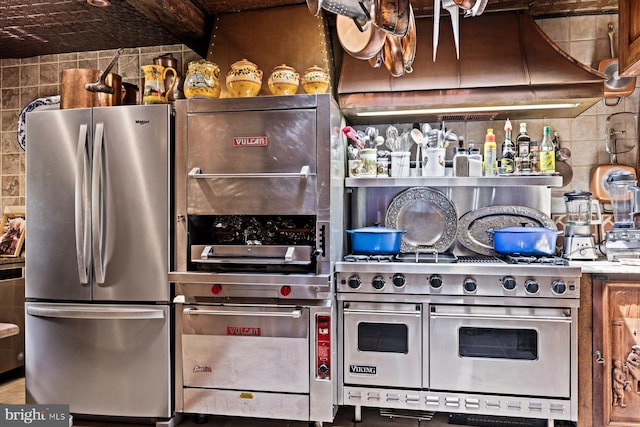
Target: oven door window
[(498, 343), (383, 337)]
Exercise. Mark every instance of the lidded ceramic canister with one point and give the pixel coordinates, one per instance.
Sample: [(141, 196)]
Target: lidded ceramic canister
[(244, 79), (202, 79), (284, 80), (315, 80)]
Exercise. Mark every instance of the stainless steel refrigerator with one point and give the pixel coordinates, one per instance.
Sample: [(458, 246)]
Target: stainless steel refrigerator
[(97, 327)]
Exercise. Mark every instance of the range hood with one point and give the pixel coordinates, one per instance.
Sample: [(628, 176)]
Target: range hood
[(508, 67)]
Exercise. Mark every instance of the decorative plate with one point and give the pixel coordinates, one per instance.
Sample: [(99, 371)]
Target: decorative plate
[(427, 215), (49, 102), (473, 226)]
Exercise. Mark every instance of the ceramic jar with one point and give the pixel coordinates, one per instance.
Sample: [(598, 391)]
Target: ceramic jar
[(202, 79), (244, 79), (154, 90), (315, 80), (284, 80)]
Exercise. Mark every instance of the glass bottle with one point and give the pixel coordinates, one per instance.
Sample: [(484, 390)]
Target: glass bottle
[(523, 142), (507, 162), (547, 152), (475, 159), (534, 150)]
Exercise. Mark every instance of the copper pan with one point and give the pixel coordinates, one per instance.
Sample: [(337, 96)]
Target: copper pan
[(363, 44), (392, 16), (392, 55), (409, 44), (74, 95)]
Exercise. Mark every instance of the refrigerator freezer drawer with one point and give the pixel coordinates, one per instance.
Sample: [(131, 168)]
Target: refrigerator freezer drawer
[(100, 359)]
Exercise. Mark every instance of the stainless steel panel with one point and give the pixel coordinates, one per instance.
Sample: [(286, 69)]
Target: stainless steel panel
[(106, 359), (548, 375), (242, 157), (241, 403), (52, 267), (382, 368), (135, 195), (220, 344)]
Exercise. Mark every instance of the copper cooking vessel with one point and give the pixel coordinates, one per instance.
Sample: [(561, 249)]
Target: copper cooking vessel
[(74, 95)]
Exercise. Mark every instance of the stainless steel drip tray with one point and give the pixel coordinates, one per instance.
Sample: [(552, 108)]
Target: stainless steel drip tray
[(251, 254), (426, 257)]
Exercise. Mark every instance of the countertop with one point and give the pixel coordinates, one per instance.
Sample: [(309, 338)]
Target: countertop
[(602, 266)]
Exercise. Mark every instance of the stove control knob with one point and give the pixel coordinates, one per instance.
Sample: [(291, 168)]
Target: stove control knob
[(377, 282), (354, 282), (509, 283), (531, 286), (435, 281), (470, 285), (399, 280), (558, 287)]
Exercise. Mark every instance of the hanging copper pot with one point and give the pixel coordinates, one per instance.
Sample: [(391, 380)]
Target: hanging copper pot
[(392, 16), (363, 44), (409, 42), (392, 55)]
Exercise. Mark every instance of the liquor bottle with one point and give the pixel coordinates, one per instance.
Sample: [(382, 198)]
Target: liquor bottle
[(507, 162), (534, 151), (547, 152), (523, 142), (490, 157)]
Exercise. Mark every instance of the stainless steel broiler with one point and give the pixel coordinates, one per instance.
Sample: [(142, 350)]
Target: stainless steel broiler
[(259, 190)]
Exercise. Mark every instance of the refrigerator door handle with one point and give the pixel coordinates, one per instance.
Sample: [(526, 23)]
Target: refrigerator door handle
[(82, 204), (97, 204), (95, 312)]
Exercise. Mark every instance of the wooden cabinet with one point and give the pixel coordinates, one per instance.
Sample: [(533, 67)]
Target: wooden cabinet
[(616, 351), (629, 37)]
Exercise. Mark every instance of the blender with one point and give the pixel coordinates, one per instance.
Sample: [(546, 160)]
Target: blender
[(623, 241), (578, 240)]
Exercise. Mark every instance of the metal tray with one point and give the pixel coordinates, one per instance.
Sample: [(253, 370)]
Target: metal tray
[(428, 216), (473, 226)]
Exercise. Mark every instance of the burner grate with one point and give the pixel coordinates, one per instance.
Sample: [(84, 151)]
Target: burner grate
[(547, 260), (368, 258), (475, 259)]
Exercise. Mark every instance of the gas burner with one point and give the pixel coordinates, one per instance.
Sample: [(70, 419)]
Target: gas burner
[(368, 258), (547, 260)]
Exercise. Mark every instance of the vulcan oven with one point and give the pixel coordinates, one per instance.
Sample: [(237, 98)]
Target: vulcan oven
[(259, 197), (439, 328)]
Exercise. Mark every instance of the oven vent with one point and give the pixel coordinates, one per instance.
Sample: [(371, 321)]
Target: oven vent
[(467, 117), (408, 414), (491, 421)]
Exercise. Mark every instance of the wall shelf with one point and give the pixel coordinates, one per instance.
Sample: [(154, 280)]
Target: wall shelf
[(456, 181)]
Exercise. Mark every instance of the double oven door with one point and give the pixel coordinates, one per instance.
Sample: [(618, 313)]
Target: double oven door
[(508, 350)]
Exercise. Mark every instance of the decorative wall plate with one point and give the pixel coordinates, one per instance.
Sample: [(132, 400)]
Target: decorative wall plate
[(428, 216), (49, 102)]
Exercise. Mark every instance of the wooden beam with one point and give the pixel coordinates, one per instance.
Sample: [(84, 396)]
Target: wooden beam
[(181, 18)]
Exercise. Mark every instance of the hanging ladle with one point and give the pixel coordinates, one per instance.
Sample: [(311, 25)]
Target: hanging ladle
[(101, 85)]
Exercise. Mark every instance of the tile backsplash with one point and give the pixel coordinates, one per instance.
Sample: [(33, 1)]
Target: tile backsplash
[(585, 38), (23, 80)]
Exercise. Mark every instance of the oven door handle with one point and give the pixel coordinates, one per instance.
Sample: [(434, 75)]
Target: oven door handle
[(197, 173), (416, 313), (565, 318), (295, 314)]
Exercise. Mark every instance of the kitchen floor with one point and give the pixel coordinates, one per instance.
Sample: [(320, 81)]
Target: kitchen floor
[(12, 392)]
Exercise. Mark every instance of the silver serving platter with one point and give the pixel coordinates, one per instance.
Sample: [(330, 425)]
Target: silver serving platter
[(428, 216), (473, 226)]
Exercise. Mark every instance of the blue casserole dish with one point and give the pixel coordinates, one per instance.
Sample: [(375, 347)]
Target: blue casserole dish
[(536, 241), (376, 240)]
